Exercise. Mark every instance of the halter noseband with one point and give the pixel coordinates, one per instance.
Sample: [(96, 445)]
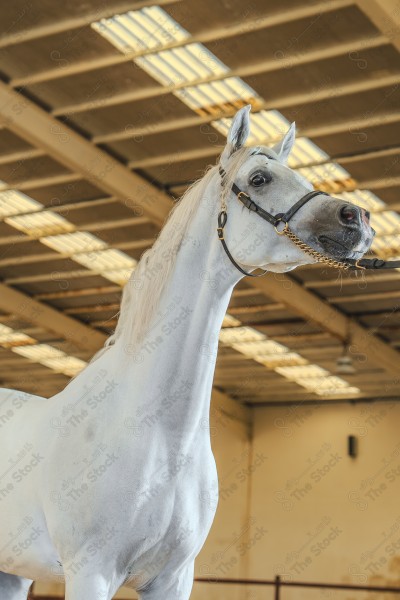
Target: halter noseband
[(284, 218)]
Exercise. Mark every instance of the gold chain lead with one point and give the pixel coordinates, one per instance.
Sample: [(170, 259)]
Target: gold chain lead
[(338, 264)]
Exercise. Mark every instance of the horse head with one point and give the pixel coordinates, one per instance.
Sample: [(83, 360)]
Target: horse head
[(266, 186)]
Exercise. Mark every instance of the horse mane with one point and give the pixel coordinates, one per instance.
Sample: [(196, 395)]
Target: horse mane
[(142, 292)]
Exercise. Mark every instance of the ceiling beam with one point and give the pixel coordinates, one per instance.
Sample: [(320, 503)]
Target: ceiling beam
[(37, 127), (348, 281), (285, 102), (103, 10), (61, 276), (20, 156), (196, 153), (97, 291), (143, 186), (307, 304), (347, 159), (250, 70), (65, 208), (252, 397), (50, 319), (34, 125), (367, 399), (385, 16), (339, 127), (231, 408), (27, 259), (97, 226), (368, 297), (205, 36), (213, 151), (386, 181), (375, 120), (40, 182)]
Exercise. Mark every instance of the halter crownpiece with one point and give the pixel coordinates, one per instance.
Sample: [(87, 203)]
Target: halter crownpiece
[(284, 218)]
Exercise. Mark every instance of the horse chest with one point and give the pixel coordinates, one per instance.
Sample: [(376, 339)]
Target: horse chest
[(173, 516)]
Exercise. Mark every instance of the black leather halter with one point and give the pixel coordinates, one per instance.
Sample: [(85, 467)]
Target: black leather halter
[(284, 218)]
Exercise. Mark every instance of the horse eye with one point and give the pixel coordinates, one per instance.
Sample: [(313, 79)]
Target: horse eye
[(258, 180)]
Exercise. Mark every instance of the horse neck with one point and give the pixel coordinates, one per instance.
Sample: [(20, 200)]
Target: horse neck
[(182, 340), (174, 363)]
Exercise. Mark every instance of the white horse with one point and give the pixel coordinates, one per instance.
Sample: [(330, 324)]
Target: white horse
[(112, 481)]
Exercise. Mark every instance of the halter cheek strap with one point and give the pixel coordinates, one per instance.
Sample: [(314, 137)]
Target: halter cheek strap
[(222, 219)]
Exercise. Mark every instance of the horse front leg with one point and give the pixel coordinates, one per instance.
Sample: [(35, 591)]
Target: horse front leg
[(170, 587), (89, 586), (13, 587)]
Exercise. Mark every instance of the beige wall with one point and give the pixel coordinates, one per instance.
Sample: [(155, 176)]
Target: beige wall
[(307, 511), (223, 554), (328, 517)]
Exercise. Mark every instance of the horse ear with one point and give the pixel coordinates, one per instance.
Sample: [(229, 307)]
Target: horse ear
[(284, 147), (240, 128)]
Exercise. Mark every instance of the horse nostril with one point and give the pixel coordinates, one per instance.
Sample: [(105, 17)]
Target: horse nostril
[(348, 214), (367, 214)]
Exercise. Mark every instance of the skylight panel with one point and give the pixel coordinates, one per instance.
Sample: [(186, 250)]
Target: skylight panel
[(105, 260), (363, 198), (13, 202), (40, 224), (303, 372), (215, 97), (160, 24), (68, 365), (305, 152), (294, 367), (317, 380), (39, 352), (73, 243), (59, 234), (333, 382), (181, 65), (328, 177), (236, 335), (136, 31), (337, 391), (325, 172), (230, 321), (286, 359), (260, 348), (385, 223), (386, 246), (265, 125), (9, 337), (119, 276), (51, 357)]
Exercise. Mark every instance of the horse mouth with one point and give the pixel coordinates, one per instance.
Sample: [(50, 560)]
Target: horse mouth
[(334, 247)]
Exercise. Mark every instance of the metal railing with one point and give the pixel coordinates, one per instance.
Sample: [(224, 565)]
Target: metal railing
[(278, 584)]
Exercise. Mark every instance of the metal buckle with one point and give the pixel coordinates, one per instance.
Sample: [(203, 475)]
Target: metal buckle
[(359, 266), (284, 230), (243, 194), (220, 235)]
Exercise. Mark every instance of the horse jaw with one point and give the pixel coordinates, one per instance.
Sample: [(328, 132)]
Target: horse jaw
[(280, 267)]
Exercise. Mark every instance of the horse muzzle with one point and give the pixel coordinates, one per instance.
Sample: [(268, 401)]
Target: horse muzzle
[(347, 233)]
